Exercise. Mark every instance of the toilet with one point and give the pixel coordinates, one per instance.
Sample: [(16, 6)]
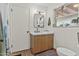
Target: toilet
[(65, 52)]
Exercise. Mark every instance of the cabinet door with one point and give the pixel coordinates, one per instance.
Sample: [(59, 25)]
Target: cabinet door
[(47, 42), (36, 44), (50, 41), (20, 37), (43, 43)]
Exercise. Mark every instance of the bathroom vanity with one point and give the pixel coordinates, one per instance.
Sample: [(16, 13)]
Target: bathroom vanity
[(41, 42)]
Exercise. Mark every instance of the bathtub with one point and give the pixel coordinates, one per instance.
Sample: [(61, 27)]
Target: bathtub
[(65, 52)]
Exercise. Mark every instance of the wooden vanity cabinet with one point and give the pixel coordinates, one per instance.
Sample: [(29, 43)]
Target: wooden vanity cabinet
[(41, 43)]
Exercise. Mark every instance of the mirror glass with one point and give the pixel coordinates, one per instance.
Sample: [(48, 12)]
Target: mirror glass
[(67, 15), (39, 19)]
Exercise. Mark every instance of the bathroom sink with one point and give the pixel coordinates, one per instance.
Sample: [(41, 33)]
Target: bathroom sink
[(36, 31), (41, 32), (46, 30)]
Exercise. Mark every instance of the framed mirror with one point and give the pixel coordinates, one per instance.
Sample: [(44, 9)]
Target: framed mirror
[(67, 15), (39, 18)]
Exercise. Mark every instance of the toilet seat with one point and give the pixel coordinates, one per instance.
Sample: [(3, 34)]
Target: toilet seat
[(65, 52)]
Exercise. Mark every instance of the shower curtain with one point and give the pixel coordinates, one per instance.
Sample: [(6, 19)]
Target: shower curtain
[(1, 36)]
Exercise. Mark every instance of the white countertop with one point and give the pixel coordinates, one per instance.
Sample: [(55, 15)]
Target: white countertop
[(41, 33)]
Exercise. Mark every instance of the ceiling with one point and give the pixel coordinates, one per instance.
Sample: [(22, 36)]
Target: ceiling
[(67, 9), (53, 5)]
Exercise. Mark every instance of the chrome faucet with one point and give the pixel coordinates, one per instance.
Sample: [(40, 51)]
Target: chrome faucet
[(37, 29)]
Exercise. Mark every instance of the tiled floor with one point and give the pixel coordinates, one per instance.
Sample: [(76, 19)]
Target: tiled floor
[(28, 53)]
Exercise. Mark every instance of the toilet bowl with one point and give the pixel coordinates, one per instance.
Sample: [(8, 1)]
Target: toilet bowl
[(65, 52)]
